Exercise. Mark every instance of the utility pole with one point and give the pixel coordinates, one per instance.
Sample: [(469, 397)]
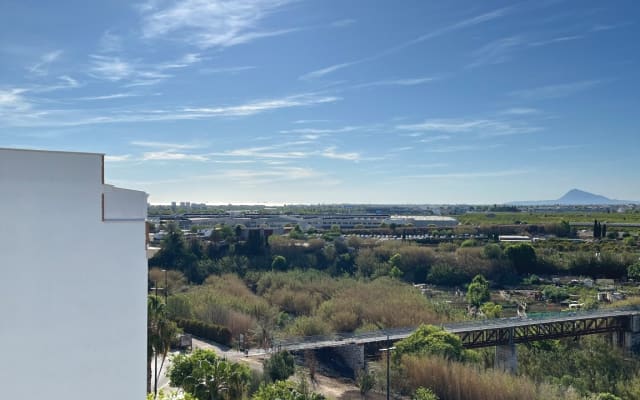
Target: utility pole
[(388, 350), (166, 286), (155, 353)]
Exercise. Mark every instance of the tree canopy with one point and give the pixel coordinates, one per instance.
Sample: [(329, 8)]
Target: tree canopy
[(478, 291), (430, 340), (207, 377), (284, 390)]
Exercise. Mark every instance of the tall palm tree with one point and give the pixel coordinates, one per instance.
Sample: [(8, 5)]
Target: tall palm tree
[(160, 333)]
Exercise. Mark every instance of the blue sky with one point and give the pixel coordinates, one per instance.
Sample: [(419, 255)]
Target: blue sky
[(327, 101)]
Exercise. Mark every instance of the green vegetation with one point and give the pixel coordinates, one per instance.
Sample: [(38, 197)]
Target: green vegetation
[(453, 380), (279, 366), (590, 365), (478, 291), (306, 284), (162, 395), (431, 340), (365, 381), (161, 332), (510, 218), (283, 390), (633, 271), (216, 333), (207, 377), (424, 394)]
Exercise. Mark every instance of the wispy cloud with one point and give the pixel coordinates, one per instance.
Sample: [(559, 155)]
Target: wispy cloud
[(259, 106), (310, 121), (323, 131), (41, 68), (111, 68), (111, 96), (485, 127), (117, 158), (63, 82), (319, 73), (332, 153), (560, 147), (273, 174), (343, 23), (265, 152), (463, 24), (469, 175), (556, 91), (559, 39), (164, 145), (462, 148), (608, 27), (397, 82), (78, 117), (227, 70), (13, 100), (211, 23), (171, 155), (436, 138), (183, 62), (520, 111), (495, 52), (135, 73)]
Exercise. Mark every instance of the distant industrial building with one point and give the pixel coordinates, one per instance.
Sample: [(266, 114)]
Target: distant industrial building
[(279, 222), (72, 301), (421, 221)]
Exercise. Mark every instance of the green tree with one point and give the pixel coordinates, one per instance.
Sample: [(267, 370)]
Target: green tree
[(280, 366), (492, 251), (162, 395), (160, 333), (365, 382), (279, 263), (522, 257), (491, 310), (283, 390), (633, 271), (478, 291), (430, 340), (424, 394), (176, 253), (395, 272), (207, 377)]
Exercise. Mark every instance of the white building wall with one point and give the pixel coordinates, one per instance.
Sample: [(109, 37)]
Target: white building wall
[(72, 286)]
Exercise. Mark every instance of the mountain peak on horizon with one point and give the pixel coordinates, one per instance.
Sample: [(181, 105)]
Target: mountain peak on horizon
[(575, 197)]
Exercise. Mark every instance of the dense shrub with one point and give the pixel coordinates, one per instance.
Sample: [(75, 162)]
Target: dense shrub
[(216, 333), (555, 293), (279, 366)]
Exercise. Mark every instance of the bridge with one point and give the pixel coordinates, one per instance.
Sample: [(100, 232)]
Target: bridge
[(504, 333)]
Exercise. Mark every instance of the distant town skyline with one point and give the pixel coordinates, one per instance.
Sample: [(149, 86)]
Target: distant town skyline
[(307, 101)]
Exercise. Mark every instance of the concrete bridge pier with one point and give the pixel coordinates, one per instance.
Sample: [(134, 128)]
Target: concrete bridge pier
[(353, 356), (506, 356), (629, 339)]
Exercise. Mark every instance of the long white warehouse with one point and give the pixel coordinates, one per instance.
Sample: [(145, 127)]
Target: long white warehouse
[(72, 280)]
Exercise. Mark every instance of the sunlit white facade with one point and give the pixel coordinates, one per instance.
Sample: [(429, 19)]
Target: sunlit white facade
[(72, 280)]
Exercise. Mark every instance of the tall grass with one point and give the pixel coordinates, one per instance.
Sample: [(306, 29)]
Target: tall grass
[(458, 381)]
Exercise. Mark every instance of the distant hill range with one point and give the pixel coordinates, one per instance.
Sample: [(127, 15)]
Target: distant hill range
[(575, 197)]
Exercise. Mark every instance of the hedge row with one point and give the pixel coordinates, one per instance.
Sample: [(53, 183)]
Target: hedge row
[(216, 333)]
